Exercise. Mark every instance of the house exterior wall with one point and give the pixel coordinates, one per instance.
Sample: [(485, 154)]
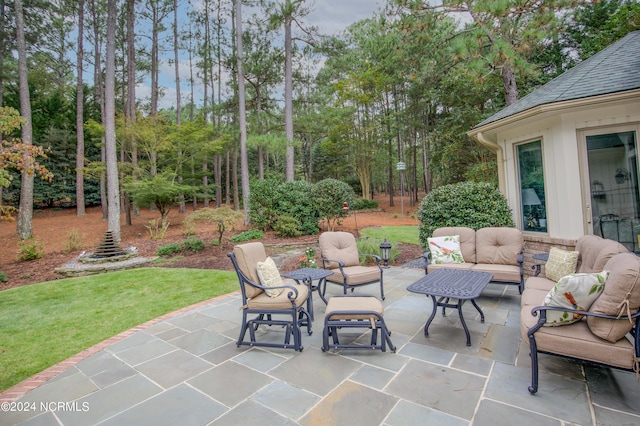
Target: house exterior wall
[(566, 186)]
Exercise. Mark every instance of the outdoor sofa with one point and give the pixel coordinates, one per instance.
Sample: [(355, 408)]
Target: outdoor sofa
[(604, 333), (497, 250)]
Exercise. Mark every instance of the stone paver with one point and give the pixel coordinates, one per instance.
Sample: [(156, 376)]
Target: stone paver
[(185, 368)]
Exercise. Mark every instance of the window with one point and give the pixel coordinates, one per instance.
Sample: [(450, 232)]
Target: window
[(532, 194)]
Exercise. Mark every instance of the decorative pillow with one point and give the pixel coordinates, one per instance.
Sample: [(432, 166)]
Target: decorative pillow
[(270, 276), (445, 249), (575, 291), (561, 263)]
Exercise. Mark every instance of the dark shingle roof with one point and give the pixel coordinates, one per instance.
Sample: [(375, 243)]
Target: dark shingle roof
[(614, 69)]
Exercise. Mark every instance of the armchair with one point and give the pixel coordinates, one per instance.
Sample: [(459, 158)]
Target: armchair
[(339, 253), (288, 304)]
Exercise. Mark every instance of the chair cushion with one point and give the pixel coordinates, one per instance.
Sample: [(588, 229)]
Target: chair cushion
[(248, 255), (539, 283), (339, 246), (502, 273), (499, 245), (445, 249), (561, 263), (354, 306), (575, 340), (270, 276), (263, 301), (595, 252), (356, 275), (467, 240), (575, 291), (621, 296), (432, 267)]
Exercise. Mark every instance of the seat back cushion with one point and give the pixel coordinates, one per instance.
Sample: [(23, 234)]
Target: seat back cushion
[(467, 240), (499, 245), (621, 296), (248, 255), (594, 252), (339, 246)]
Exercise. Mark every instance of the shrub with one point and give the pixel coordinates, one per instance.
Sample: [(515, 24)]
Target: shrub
[(168, 249), (224, 217), (263, 210), (30, 249), (251, 234), (329, 196), (3, 277), (364, 204), (73, 241), (287, 226), (294, 200), (471, 204), (192, 244)]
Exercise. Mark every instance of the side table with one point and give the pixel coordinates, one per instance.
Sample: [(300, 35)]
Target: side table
[(308, 276)]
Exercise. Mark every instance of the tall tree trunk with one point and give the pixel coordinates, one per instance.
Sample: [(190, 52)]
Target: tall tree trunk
[(80, 208), (242, 115), (176, 60), (25, 213), (288, 98), (113, 187), (131, 102), (510, 86)]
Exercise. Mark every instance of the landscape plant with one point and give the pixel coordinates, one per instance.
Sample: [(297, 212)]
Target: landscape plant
[(30, 249), (225, 218), (472, 204), (251, 234), (330, 197)]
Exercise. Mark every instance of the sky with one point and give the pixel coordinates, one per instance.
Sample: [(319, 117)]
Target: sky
[(330, 16)]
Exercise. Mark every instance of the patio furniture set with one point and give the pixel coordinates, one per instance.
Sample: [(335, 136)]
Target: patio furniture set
[(461, 262)]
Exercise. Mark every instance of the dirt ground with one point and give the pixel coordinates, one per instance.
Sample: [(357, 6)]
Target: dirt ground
[(55, 229)]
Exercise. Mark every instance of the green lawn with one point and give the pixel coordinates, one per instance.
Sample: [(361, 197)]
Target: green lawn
[(43, 324), (397, 234)]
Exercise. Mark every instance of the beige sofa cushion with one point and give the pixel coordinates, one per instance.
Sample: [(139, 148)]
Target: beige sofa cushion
[(356, 275), (248, 255), (575, 340), (433, 267), (504, 273), (499, 246), (339, 246), (595, 251), (539, 283), (467, 240), (353, 305), (621, 296)]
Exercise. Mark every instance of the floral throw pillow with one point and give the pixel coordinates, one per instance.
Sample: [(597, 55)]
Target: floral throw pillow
[(270, 276), (575, 291), (445, 249), (561, 263)]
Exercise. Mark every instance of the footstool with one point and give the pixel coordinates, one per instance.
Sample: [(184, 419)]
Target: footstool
[(355, 311)]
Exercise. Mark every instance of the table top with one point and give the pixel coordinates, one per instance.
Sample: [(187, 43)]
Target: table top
[(455, 283), (306, 273)]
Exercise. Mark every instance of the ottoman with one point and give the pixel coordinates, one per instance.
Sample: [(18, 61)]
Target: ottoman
[(355, 311)]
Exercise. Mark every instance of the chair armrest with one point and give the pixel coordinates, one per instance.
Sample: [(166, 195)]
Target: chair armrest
[(536, 267)]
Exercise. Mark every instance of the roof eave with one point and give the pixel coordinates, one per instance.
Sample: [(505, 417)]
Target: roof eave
[(551, 107)]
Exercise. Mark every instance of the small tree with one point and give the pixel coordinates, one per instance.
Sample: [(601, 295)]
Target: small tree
[(17, 155), (162, 191), (224, 217), (471, 204), (330, 196)]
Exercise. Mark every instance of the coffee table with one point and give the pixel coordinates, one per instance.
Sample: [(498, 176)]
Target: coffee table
[(307, 276), (445, 284)]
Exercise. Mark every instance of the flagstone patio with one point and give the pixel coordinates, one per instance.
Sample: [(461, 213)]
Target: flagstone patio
[(187, 370)]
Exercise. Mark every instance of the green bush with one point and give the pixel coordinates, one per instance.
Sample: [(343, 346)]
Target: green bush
[(192, 244), (329, 196), (30, 249), (3, 277), (263, 203), (287, 227), (471, 204), (364, 204), (168, 249), (251, 234), (294, 200)]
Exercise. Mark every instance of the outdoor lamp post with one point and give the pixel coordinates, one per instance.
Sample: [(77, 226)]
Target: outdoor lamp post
[(385, 252)]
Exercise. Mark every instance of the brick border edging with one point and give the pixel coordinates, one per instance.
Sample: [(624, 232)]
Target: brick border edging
[(19, 390)]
